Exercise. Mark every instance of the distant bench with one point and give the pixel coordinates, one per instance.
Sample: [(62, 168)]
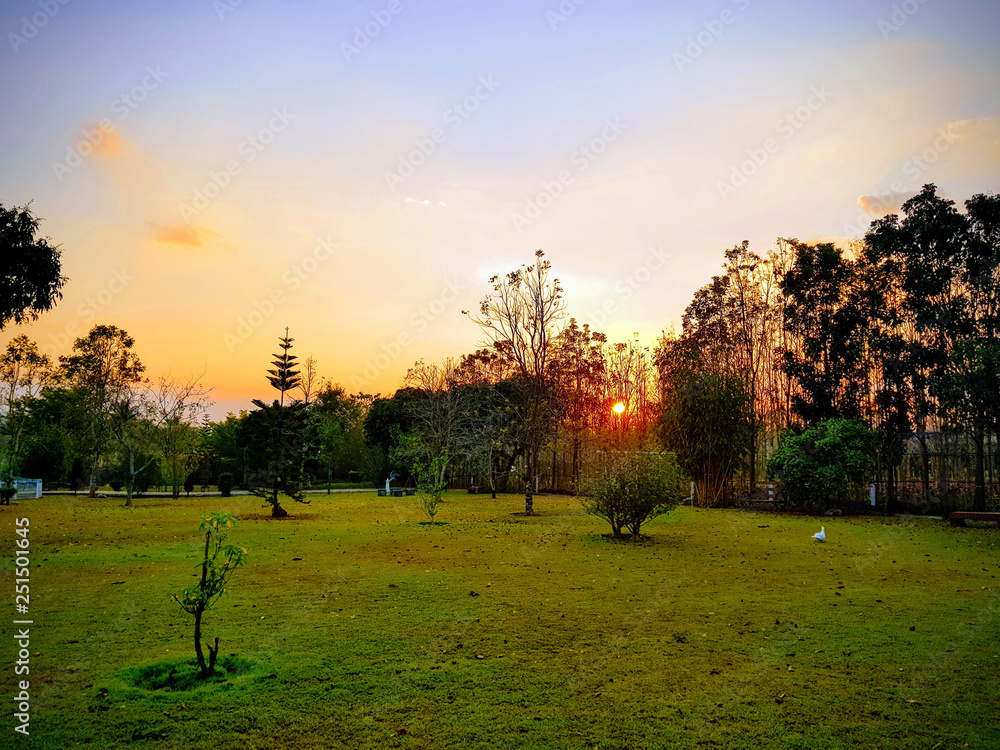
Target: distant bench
[(959, 517), (767, 497)]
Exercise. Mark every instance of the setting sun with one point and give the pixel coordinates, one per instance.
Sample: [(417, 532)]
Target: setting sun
[(618, 408)]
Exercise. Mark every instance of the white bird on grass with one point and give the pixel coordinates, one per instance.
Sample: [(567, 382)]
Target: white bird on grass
[(821, 536)]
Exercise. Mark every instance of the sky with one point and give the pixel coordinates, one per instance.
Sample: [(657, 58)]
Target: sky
[(356, 171)]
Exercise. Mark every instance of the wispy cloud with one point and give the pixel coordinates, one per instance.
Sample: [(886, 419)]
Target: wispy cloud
[(424, 203), (183, 234)]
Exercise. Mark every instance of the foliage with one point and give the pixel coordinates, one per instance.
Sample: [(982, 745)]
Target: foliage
[(633, 488), (825, 463), (225, 484), (431, 483), (23, 372), (217, 566), (284, 377), (103, 368), (706, 423), (821, 311), (277, 441), (523, 315), (189, 482), (31, 277)]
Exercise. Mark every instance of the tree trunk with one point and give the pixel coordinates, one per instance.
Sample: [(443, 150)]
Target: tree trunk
[(979, 494), (925, 469), (197, 644)]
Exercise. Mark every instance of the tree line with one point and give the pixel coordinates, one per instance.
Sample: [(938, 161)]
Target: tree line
[(896, 332)]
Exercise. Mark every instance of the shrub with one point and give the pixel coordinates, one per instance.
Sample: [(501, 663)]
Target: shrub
[(116, 485), (189, 483), (825, 464), (634, 488), (226, 484), (7, 494)]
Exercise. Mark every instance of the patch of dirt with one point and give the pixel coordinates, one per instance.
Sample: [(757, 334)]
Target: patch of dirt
[(269, 517)]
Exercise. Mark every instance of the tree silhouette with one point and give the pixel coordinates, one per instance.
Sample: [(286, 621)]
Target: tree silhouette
[(284, 377), (30, 270)]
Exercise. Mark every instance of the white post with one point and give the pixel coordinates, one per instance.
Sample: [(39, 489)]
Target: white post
[(871, 494)]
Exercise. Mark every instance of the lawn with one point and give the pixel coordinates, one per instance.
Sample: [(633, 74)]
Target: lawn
[(357, 625)]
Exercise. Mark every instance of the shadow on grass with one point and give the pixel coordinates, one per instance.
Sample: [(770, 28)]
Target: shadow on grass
[(184, 676)]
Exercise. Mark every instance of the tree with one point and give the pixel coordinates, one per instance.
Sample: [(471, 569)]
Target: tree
[(285, 377), (581, 375), (706, 423), (276, 441), (826, 463), (278, 438), (104, 367), (632, 488), (523, 314), (828, 368), (947, 270), (431, 483), (217, 566), (152, 423), (23, 372), (31, 277)]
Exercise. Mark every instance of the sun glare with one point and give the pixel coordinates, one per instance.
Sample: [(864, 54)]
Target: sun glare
[(619, 408)]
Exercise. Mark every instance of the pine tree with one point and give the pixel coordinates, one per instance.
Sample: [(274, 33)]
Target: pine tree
[(284, 377)]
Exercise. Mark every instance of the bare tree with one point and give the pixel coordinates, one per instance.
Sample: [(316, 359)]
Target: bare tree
[(156, 421), (524, 314), (310, 381)]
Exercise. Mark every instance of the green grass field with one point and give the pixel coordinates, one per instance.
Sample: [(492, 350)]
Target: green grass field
[(355, 625)]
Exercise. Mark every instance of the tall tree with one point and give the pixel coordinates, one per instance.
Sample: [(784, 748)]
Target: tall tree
[(581, 373), (828, 367), (278, 438), (104, 367), (31, 277), (524, 313)]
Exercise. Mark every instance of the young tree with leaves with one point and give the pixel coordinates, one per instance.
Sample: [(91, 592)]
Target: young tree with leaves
[(218, 564)]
